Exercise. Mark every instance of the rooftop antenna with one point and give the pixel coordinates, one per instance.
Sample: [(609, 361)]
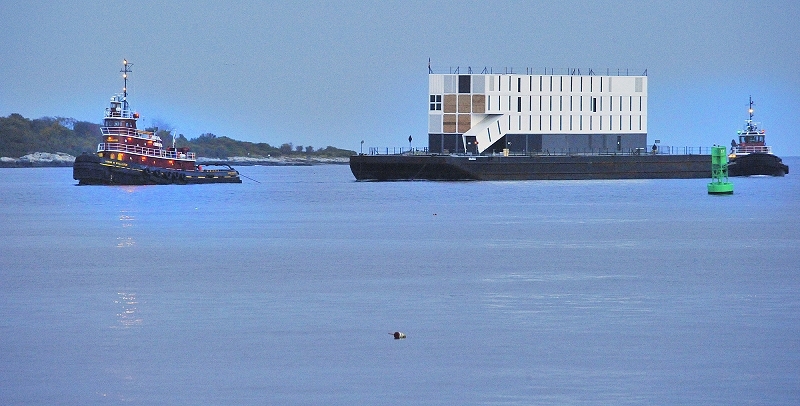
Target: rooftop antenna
[(125, 71)]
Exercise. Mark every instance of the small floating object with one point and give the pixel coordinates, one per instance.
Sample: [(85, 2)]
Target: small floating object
[(719, 172), (398, 335)]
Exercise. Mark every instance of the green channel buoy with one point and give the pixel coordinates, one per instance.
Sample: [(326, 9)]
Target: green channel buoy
[(719, 172)]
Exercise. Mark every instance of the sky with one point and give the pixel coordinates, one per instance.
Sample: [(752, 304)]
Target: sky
[(323, 73)]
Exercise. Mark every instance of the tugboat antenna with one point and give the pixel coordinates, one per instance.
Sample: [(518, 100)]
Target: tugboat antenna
[(125, 71), (751, 107)]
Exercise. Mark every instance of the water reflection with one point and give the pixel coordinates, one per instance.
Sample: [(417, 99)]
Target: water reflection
[(128, 316), (127, 219)]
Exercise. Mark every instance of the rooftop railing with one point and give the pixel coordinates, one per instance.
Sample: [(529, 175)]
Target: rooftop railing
[(469, 70)]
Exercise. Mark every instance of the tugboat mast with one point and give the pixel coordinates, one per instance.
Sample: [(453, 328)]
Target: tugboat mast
[(125, 71), (751, 107)]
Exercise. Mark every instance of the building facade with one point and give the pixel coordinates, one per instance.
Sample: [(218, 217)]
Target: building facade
[(487, 113)]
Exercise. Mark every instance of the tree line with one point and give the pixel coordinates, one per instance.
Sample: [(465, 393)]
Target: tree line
[(20, 136)]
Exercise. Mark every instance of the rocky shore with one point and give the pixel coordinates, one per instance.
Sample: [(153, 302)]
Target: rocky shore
[(46, 159), (38, 159)]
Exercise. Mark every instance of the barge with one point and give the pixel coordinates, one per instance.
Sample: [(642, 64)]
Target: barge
[(533, 167), (505, 126)]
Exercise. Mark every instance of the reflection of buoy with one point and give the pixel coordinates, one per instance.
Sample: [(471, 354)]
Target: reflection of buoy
[(398, 335)]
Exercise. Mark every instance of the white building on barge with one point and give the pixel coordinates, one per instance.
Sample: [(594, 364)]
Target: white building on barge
[(530, 113)]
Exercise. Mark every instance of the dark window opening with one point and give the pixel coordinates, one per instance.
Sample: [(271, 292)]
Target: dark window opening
[(464, 83), (436, 102), (435, 143)]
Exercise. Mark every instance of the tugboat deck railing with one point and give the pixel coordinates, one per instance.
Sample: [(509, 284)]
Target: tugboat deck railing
[(149, 152), (755, 149), (129, 132), (125, 113)]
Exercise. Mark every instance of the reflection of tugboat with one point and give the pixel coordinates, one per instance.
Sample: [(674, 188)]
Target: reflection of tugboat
[(751, 155), (129, 156)]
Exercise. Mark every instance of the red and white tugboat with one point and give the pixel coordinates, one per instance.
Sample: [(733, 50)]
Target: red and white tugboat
[(751, 155), (129, 156)]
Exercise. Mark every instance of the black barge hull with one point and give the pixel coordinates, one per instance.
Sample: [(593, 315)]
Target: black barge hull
[(757, 164), (536, 167), (93, 170)]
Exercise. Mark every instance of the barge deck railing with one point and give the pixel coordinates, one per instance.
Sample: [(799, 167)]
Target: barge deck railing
[(660, 150)]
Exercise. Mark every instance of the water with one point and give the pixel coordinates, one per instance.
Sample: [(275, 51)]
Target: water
[(284, 291)]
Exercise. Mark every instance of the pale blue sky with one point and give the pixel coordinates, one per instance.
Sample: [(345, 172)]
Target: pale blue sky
[(338, 72)]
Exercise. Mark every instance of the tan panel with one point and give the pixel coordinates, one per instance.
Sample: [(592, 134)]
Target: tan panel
[(449, 123), (479, 103), (449, 103), (464, 123), (464, 103)]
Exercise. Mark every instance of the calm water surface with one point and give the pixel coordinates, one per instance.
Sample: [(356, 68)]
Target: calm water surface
[(284, 291)]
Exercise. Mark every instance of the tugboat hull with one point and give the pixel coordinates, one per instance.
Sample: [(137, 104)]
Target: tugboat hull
[(757, 164), (94, 170)]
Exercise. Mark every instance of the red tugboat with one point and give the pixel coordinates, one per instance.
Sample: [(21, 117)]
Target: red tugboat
[(751, 155), (129, 156)]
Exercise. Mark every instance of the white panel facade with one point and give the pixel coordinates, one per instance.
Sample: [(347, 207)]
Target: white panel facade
[(449, 83), (565, 105), (436, 84), (434, 123)]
